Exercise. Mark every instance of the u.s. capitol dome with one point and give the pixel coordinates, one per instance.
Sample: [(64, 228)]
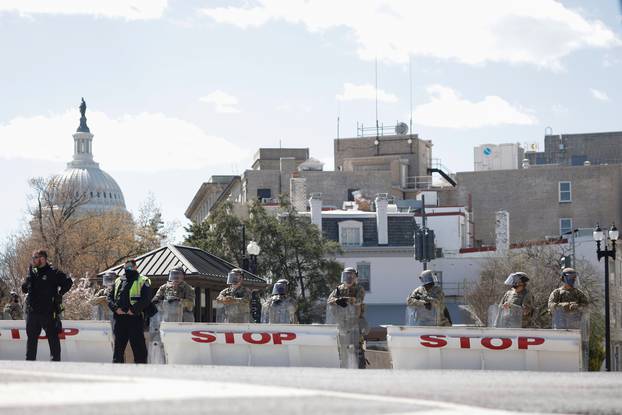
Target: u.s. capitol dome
[(83, 177)]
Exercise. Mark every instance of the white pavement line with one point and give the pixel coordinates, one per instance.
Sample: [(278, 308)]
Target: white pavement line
[(110, 388)]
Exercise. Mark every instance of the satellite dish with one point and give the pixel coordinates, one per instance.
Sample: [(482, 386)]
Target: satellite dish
[(401, 128)]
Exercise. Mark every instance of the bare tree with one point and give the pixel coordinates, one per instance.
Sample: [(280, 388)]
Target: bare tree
[(54, 212), (542, 265)]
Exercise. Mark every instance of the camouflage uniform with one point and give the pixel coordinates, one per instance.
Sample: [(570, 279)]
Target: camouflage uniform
[(100, 300), (240, 309), (435, 296), (564, 297), (14, 311), (523, 299), (356, 291), (183, 291)]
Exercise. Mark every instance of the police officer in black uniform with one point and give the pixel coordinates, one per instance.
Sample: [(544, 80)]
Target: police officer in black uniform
[(128, 299), (45, 287)]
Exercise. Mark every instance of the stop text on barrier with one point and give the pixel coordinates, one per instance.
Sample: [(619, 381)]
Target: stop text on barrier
[(207, 336), (471, 342), (19, 334)]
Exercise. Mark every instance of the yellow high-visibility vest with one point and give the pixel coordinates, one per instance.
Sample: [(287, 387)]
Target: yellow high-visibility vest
[(135, 289)]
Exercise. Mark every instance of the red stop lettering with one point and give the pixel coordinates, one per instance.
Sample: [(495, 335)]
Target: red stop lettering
[(67, 332), (433, 341), (229, 339), (201, 336), (248, 338), (505, 343), (15, 334), (278, 338), (465, 342), (525, 342)]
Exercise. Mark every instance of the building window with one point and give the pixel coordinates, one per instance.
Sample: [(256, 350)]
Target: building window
[(351, 233), (565, 192), (351, 194), (364, 270), (264, 194), (565, 226)]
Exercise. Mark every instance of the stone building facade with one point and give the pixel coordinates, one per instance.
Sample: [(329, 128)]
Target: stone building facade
[(541, 200)]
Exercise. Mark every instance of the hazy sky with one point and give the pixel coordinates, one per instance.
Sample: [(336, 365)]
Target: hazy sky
[(179, 90)]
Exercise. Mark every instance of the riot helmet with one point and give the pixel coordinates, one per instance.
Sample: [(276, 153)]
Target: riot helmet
[(515, 278), (569, 276), (427, 277), (176, 275), (235, 276), (349, 275), (279, 288), (108, 278)]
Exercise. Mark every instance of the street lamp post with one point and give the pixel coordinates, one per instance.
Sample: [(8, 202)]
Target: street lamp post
[(603, 237), (253, 251)]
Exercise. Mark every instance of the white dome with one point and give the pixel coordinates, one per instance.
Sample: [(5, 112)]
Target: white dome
[(102, 190), (84, 177)]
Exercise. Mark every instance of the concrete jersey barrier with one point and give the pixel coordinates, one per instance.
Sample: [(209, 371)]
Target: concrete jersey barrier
[(81, 341), (247, 344), (484, 348)]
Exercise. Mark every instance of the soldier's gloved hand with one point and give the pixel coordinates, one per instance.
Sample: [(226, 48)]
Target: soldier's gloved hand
[(565, 306), (343, 302), (573, 306), (277, 301), (428, 306)]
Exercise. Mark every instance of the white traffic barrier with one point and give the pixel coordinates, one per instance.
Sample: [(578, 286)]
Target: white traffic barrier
[(81, 341), (244, 344), (484, 348)]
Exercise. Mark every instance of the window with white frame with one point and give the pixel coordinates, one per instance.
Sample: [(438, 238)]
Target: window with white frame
[(351, 233), (565, 225), (565, 192), (364, 279)]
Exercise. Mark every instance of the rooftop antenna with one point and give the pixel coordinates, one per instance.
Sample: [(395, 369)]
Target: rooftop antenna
[(338, 117), (376, 73), (410, 76)]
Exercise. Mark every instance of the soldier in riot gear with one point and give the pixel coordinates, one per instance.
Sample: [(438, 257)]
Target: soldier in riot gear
[(13, 310), (101, 311), (567, 303), (426, 303), (346, 306), (176, 290), (516, 306), (235, 299), (280, 308)]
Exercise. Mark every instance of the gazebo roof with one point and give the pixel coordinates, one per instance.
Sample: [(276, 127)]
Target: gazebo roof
[(195, 262)]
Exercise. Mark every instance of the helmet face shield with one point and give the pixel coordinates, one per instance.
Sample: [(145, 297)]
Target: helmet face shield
[(175, 276), (234, 277), (516, 278), (279, 289), (569, 278), (108, 279), (348, 277), (427, 277)]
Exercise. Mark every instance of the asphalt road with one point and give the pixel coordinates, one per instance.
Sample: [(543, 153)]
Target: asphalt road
[(90, 388)]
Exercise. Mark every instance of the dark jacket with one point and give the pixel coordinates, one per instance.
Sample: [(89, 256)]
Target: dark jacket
[(124, 295), (45, 286)]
